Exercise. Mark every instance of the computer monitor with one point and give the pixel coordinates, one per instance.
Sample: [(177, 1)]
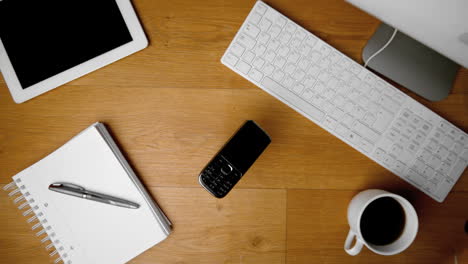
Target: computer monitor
[(432, 41)]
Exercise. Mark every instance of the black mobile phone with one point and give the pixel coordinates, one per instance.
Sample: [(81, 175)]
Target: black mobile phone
[(231, 163)]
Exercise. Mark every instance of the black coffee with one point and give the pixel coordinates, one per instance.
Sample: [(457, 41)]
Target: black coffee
[(382, 221)]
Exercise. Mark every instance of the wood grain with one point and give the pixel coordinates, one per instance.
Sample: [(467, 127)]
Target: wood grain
[(172, 105)]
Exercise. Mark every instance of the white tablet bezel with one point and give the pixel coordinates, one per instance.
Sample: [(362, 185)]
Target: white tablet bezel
[(139, 42)]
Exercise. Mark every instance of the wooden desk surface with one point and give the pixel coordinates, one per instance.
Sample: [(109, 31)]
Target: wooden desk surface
[(173, 105)]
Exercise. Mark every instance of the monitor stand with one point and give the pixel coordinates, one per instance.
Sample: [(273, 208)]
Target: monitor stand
[(411, 64)]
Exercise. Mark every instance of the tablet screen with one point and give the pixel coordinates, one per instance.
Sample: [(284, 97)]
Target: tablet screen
[(44, 38)]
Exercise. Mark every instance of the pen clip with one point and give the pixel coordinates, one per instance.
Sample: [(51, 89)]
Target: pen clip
[(66, 184)]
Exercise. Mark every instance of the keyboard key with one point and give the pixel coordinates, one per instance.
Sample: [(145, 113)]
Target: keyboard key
[(448, 141), (291, 28), (335, 56), (389, 161), (274, 44), (304, 63), (415, 178), (277, 89), (307, 95), (300, 34), (406, 114), (308, 81), (319, 87), (457, 169), (252, 30), (444, 168), (419, 166), (279, 62), (265, 24), (285, 37), (298, 88), (324, 49), (246, 41), (290, 68), (295, 42), (367, 133), (442, 152), (426, 127), (294, 57), (462, 139), (396, 150), (230, 59), (261, 8), (425, 156), (428, 172), (315, 56), (288, 82), (248, 56), (304, 49), (270, 55), (457, 148), (369, 78), (264, 37), (274, 32), (399, 167), (337, 114), (348, 120), (435, 162), (412, 147), (444, 126), (369, 119), (465, 154), (313, 71), (311, 41), (283, 51), (298, 74), (365, 146), (278, 75), (260, 49), (389, 103), (237, 49), (419, 137), (383, 119), (280, 21), (268, 69), (256, 75), (258, 63), (330, 123), (379, 154), (243, 67), (255, 18)]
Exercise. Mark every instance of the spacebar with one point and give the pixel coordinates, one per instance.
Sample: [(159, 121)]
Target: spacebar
[(292, 99)]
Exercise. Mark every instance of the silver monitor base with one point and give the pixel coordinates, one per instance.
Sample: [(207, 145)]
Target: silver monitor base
[(411, 64)]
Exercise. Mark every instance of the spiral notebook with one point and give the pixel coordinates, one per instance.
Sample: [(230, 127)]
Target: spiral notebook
[(80, 231)]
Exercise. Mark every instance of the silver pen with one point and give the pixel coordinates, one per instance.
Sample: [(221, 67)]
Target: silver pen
[(80, 192)]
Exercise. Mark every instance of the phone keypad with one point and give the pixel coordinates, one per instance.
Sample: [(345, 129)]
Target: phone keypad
[(219, 177)]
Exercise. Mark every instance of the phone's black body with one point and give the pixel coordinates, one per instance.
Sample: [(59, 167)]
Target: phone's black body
[(234, 159)]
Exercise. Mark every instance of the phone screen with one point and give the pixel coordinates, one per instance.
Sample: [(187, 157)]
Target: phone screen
[(246, 146)]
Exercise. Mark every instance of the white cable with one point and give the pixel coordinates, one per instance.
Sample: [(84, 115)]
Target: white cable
[(381, 49)]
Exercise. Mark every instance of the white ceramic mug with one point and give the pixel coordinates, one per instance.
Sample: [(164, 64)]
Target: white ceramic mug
[(357, 206)]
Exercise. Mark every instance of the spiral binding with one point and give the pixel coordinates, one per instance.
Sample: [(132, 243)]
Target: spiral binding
[(28, 206)]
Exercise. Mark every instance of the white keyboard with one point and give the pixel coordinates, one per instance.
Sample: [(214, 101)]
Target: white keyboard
[(348, 101)]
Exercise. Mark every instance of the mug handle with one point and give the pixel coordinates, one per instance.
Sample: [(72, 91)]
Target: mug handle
[(353, 251)]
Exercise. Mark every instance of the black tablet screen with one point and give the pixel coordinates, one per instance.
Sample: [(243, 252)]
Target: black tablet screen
[(44, 38)]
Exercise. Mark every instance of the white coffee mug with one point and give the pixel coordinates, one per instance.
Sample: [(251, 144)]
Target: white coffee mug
[(355, 210)]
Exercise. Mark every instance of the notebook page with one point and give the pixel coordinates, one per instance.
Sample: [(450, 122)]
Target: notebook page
[(100, 233)]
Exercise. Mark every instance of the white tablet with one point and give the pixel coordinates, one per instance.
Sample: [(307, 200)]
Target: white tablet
[(44, 44)]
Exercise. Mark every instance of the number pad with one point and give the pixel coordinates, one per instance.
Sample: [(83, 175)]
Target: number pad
[(219, 177)]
